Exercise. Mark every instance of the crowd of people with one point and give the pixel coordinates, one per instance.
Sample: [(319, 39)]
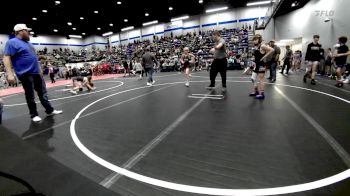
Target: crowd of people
[(146, 57), (266, 57)]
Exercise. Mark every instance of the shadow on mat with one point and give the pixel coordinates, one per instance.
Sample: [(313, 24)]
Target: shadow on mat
[(38, 134)]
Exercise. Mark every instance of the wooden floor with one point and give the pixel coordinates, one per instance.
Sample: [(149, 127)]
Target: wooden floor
[(183, 135)]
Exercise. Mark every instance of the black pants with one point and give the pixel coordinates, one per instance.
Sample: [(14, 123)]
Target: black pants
[(68, 76), (286, 63), (144, 72), (218, 66), (35, 82), (52, 77)]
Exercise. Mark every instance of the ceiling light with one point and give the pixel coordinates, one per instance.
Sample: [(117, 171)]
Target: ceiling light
[(128, 28), (258, 3), (125, 20), (81, 18), (74, 28), (171, 8), (147, 14), (55, 30), (96, 12), (69, 23), (98, 28), (34, 18), (293, 4), (150, 23), (111, 25), (107, 34), (75, 36), (180, 18), (83, 33), (119, 2), (57, 2), (216, 9), (45, 11), (200, 1)]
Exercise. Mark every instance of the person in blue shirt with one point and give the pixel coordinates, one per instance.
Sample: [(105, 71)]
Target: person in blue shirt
[(20, 55)]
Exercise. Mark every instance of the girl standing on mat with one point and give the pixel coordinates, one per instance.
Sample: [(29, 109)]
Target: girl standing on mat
[(187, 60), (261, 52)]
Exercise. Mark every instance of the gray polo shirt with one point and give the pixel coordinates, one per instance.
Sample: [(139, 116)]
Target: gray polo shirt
[(148, 60), (272, 57), (220, 53)]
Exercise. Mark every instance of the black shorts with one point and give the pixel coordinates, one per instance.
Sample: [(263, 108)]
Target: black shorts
[(79, 79), (187, 65), (328, 63), (261, 68)]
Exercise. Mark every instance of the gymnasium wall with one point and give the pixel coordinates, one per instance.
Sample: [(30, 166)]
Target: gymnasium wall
[(3, 40), (309, 21), (56, 42), (233, 18), (227, 19), (269, 33)]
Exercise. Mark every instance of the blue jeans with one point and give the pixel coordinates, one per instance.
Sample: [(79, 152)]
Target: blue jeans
[(31, 82), (273, 70), (150, 72)]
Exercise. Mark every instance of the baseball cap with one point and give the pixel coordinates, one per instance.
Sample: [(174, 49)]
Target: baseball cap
[(20, 27)]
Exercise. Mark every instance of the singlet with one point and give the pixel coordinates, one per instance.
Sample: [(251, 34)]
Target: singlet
[(258, 56), (260, 65), (187, 59)]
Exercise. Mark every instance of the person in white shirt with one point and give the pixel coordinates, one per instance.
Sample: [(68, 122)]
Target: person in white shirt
[(138, 69)]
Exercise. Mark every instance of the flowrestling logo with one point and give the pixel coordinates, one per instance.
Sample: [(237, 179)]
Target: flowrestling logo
[(324, 13)]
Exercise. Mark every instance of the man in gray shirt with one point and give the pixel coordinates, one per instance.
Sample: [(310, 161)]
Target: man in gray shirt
[(273, 60), (148, 61), (220, 62)]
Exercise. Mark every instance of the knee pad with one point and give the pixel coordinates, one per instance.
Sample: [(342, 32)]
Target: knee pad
[(254, 78)]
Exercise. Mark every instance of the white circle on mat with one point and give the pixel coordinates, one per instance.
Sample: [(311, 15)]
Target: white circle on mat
[(206, 190)]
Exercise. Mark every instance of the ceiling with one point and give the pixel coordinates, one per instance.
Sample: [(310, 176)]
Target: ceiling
[(57, 16), (286, 6)]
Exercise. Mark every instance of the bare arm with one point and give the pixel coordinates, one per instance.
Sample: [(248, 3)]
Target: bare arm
[(277, 57), (343, 54), (8, 65), (268, 51), (182, 59), (220, 45), (193, 59)]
